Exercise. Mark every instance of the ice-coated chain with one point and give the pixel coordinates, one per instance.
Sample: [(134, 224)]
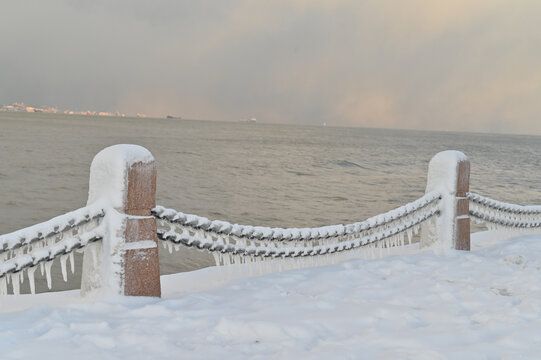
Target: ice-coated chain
[(248, 232), (499, 214), (51, 228), (268, 250), (23, 250), (502, 206), (222, 237), (39, 255)]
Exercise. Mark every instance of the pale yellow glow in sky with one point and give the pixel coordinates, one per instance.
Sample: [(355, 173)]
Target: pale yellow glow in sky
[(442, 65)]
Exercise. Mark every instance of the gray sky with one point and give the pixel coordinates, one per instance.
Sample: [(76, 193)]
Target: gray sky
[(420, 64)]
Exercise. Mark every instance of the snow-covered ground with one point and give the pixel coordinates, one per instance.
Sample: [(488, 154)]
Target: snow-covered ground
[(485, 304)]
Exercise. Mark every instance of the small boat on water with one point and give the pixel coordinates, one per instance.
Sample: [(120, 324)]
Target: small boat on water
[(250, 120)]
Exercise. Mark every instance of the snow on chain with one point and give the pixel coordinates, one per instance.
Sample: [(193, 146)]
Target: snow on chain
[(503, 206), (50, 228), (383, 231), (40, 244), (293, 234), (498, 215)]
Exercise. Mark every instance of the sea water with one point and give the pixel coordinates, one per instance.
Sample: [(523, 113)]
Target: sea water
[(247, 173)]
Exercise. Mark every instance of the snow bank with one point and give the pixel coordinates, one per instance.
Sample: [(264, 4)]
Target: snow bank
[(477, 305)]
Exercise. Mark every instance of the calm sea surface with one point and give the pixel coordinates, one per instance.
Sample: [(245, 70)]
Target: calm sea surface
[(257, 174)]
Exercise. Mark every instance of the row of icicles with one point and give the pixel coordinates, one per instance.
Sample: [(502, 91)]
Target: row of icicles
[(499, 227), (263, 265), (260, 265), (18, 278)]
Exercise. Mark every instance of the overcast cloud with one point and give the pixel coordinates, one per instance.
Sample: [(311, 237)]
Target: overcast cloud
[(422, 64)]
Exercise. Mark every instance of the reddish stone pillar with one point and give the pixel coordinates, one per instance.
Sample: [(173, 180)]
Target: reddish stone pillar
[(142, 267), (125, 262), (462, 241)]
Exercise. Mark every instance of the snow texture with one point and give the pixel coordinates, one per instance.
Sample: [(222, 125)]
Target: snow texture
[(109, 171), (483, 304)]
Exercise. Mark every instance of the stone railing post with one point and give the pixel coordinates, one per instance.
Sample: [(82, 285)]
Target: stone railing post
[(449, 174), (123, 179)]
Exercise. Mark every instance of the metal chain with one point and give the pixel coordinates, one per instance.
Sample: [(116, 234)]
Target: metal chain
[(45, 230), (306, 234), (64, 247), (502, 206), (266, 251), (484, 217)]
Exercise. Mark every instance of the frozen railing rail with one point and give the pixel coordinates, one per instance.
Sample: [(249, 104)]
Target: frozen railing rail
[(115, 231), (233, 240), (122, 213), (50, 228), (41, 244), (501, 215), (248, 232)]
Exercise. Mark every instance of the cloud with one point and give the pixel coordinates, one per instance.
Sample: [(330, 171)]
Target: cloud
[(374, 109), (455, 65)]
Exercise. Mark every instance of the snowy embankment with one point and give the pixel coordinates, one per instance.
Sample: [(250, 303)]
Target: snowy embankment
[(465, 305)]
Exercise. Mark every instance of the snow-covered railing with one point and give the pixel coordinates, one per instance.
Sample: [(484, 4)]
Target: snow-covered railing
[(122, 212), (229, 242), (23, 250), (54, 227), (121, 194), (497, 215)]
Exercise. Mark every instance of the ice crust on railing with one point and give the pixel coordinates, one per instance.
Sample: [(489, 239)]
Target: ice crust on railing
[(503, 206), (500, 215), (13, 269), (40, 244), (50, 228), (291, 234), (235, 244), (270, 249)]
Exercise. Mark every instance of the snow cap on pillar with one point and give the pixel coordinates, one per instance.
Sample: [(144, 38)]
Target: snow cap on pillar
[(109, 171), (443, 171)]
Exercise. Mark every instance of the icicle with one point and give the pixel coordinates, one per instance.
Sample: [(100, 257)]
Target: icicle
[(410, 235), (94, 254), (21, 276), (63, 260), (15, 283), (48, 265), (72, 262), (170, 247), (30, 274), (216, 257), (3, 286), (221, 258), (42, 268)]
